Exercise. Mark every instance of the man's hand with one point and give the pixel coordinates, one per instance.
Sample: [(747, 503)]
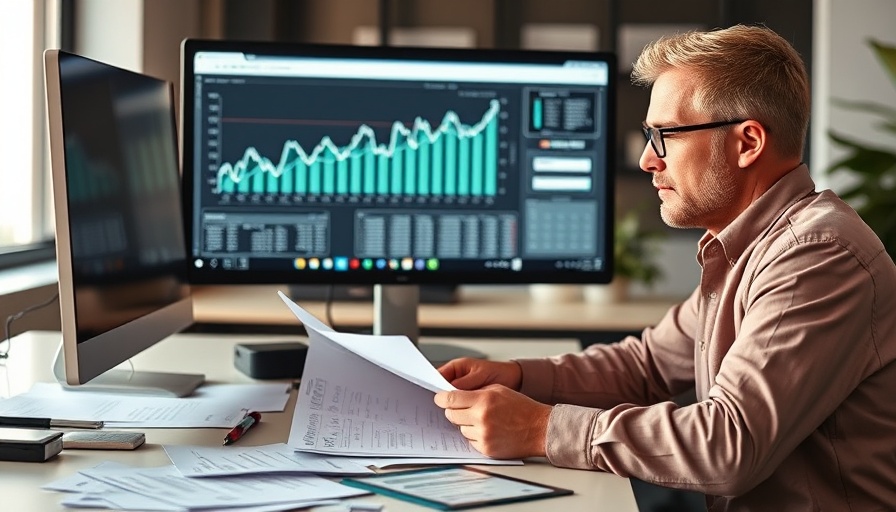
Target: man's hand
[(467, 373), (499, 422)]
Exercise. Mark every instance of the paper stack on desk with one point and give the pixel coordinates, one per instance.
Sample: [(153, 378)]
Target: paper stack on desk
[(372, 396), (210, 406), (120, 487)]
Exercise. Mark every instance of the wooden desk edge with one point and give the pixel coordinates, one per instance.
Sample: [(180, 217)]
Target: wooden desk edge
[(260, 305)]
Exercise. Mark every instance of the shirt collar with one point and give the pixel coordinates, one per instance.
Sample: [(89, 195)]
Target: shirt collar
[(753, 222)]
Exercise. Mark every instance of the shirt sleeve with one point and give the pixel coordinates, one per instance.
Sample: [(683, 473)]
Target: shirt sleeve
[(643, 371), (803, 344)]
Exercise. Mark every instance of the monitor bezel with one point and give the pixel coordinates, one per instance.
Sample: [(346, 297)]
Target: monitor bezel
[(92, 357), (189, 48)]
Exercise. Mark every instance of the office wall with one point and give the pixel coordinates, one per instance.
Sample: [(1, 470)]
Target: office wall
[(844, 67), (110, 31)]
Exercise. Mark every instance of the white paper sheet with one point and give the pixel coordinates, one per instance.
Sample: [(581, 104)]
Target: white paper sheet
[(212, 406), (389, 462), (85, 492), (394, 353), (166, 484), (204, 461), (350, 405)]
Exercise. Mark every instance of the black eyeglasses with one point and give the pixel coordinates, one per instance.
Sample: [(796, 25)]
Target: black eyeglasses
[(655, 135)]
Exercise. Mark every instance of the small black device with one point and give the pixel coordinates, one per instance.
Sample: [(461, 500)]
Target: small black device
[(29, 445), (281, 360)]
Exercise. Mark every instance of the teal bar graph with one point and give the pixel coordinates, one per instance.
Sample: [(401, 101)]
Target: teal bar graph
[(286, 181), (452, 159), (437, 169), (301, 178), (477, 164), (314, 179), (463, 167), (490, 183), (382, 172), (410, 173), (370, 175), (329, 178), (355, 187), (228, 187), (272, 184), (537, 115), (342, 177), (397, 172), (424, 172), (451, 166)]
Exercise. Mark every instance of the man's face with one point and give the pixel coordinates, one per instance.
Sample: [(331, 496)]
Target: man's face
[(697, 182)]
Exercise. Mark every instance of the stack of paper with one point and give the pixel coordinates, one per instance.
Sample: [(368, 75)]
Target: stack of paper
[(116, 486), (372, 396)]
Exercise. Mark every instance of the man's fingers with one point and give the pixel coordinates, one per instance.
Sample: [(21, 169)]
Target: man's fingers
[(448, 371), (454, 399), (459, 417), (470, 432), (468, 382)]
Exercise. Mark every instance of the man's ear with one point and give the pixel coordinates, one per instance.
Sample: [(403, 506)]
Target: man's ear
[(752, 142)]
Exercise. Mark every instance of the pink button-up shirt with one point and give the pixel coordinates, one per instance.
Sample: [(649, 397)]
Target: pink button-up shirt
[(790, 343)]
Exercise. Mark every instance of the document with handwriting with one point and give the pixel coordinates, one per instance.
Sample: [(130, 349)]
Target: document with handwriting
[(364, 395)]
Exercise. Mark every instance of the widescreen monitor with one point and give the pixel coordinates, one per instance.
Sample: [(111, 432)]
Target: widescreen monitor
[(120, 245), (315, 164)]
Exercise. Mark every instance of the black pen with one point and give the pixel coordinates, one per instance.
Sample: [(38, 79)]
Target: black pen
[(11, 421)]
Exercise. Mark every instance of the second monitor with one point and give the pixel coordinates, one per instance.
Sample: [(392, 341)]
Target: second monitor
[(369, 165)]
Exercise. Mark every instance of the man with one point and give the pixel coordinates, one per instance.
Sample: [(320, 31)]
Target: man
[(789, 339)]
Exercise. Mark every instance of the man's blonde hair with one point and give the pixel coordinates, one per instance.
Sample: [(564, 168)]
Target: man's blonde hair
[(745, 72)]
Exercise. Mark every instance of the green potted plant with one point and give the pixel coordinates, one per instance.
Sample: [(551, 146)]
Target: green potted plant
[(634, 252), (873, 193)]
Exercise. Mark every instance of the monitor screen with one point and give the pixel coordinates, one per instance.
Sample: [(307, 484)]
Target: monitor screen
[(119, 225), (313, 164)]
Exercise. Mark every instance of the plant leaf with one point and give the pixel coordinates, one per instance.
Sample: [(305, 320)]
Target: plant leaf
[(866, 106), (867, 162), (888, 126), (887, 56)]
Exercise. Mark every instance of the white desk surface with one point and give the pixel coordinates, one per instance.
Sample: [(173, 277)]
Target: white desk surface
[(32, 352)]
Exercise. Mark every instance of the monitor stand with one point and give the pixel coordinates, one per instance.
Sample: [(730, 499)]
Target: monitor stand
[(395, 312), (128, 382)]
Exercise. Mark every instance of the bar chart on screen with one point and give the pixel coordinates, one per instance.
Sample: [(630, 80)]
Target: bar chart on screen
[(453, 158)]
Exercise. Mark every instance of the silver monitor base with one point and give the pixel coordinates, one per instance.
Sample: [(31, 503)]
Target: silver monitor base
[(395, 312), (129, 382)]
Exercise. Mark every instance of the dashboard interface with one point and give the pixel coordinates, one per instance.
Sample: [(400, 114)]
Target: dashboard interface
[(316, 164)]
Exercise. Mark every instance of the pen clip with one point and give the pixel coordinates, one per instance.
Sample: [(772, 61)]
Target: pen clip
[(76, 424)]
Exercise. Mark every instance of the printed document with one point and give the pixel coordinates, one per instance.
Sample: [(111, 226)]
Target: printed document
[(84, 492), (167, 485), (211, 406), (196, 461), (371, 396)]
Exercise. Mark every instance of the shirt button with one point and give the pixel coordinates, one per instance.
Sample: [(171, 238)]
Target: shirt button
[(702, 346), (713, 295)]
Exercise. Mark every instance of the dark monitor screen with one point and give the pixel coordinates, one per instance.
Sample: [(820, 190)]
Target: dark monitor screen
[(373, 165), (120, 244)]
